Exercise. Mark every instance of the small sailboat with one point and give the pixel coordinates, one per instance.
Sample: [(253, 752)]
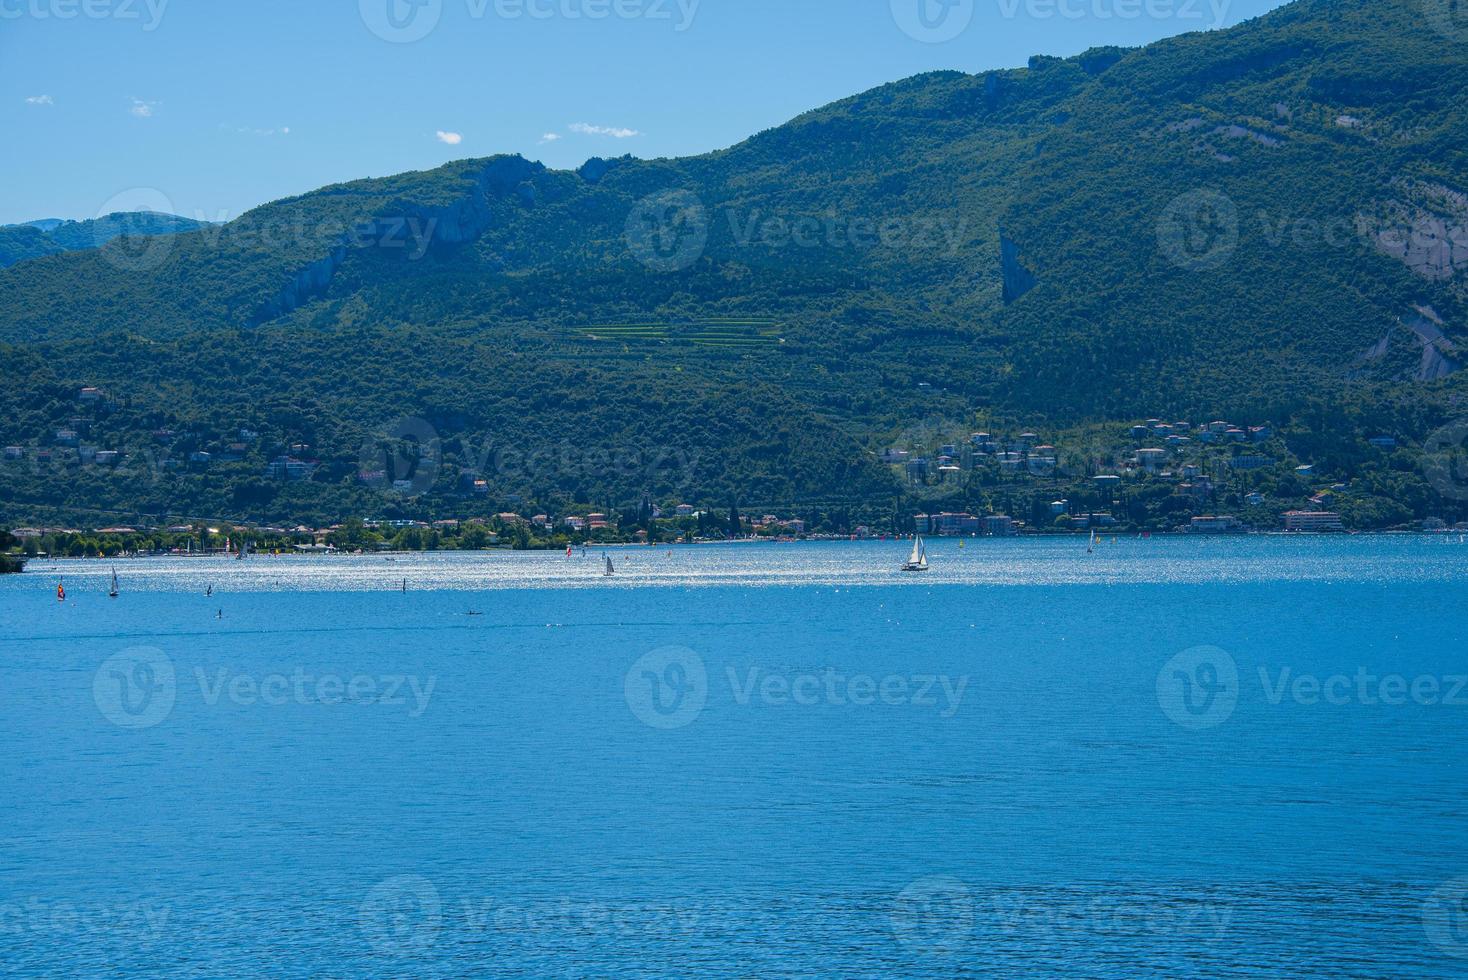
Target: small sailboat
[(610, 570), (1091, 548), (244, 551), (60, 592), (209, 590), (918, 560), (113, 592)]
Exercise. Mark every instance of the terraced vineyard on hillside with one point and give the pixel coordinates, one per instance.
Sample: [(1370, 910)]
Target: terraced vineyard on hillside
[(726, 333)]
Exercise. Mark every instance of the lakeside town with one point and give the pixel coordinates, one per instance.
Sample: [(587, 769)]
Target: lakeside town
[(1150, 476)]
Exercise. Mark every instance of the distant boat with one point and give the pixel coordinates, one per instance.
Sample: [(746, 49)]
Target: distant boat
[(918, 560), (113, 592), (1091, 548), (244, 551), (610, 569), (60, 592), (209, 590)]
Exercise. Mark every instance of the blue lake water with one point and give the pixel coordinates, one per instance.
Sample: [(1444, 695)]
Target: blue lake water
[(1236, 757)]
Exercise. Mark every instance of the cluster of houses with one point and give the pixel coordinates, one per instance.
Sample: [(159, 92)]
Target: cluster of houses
[(73, 436), (966, 525), (1025, 453), (1164, 450)]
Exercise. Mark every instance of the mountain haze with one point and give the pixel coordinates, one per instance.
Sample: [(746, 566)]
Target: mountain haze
[(51, 236)]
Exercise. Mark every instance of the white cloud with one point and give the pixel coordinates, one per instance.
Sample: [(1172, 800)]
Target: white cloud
[(550, 138), (251, 131), (143, 110), (616, 132), (452, 139), (40, 100)]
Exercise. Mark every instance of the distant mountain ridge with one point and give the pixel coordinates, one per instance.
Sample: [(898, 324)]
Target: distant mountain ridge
[(51, 236)]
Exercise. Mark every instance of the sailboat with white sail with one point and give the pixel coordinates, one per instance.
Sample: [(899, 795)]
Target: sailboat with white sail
[(610, 570), (114, 592), (918, 560)]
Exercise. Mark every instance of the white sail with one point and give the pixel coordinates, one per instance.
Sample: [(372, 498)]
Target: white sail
[(610, 569), (918, 560)]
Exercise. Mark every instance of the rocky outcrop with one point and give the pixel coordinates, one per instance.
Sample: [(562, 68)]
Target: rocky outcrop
[(1018, 279), (410, 229), (593, 170), (1097, 60), (1424, 226), (1439, 354), (308, 282)]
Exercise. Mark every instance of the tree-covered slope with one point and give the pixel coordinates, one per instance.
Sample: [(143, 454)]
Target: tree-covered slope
[(50, 237), (1254, 221)]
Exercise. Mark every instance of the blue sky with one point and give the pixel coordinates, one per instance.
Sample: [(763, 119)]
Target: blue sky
[(211, 107)]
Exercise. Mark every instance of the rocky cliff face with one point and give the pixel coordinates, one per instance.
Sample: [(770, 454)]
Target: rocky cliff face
[(411, 228), (1424, 330), (1018, 280), (1424, 226)]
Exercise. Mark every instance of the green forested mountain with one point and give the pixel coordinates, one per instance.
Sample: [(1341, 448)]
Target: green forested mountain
[(1269, 222), (50, 237)]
